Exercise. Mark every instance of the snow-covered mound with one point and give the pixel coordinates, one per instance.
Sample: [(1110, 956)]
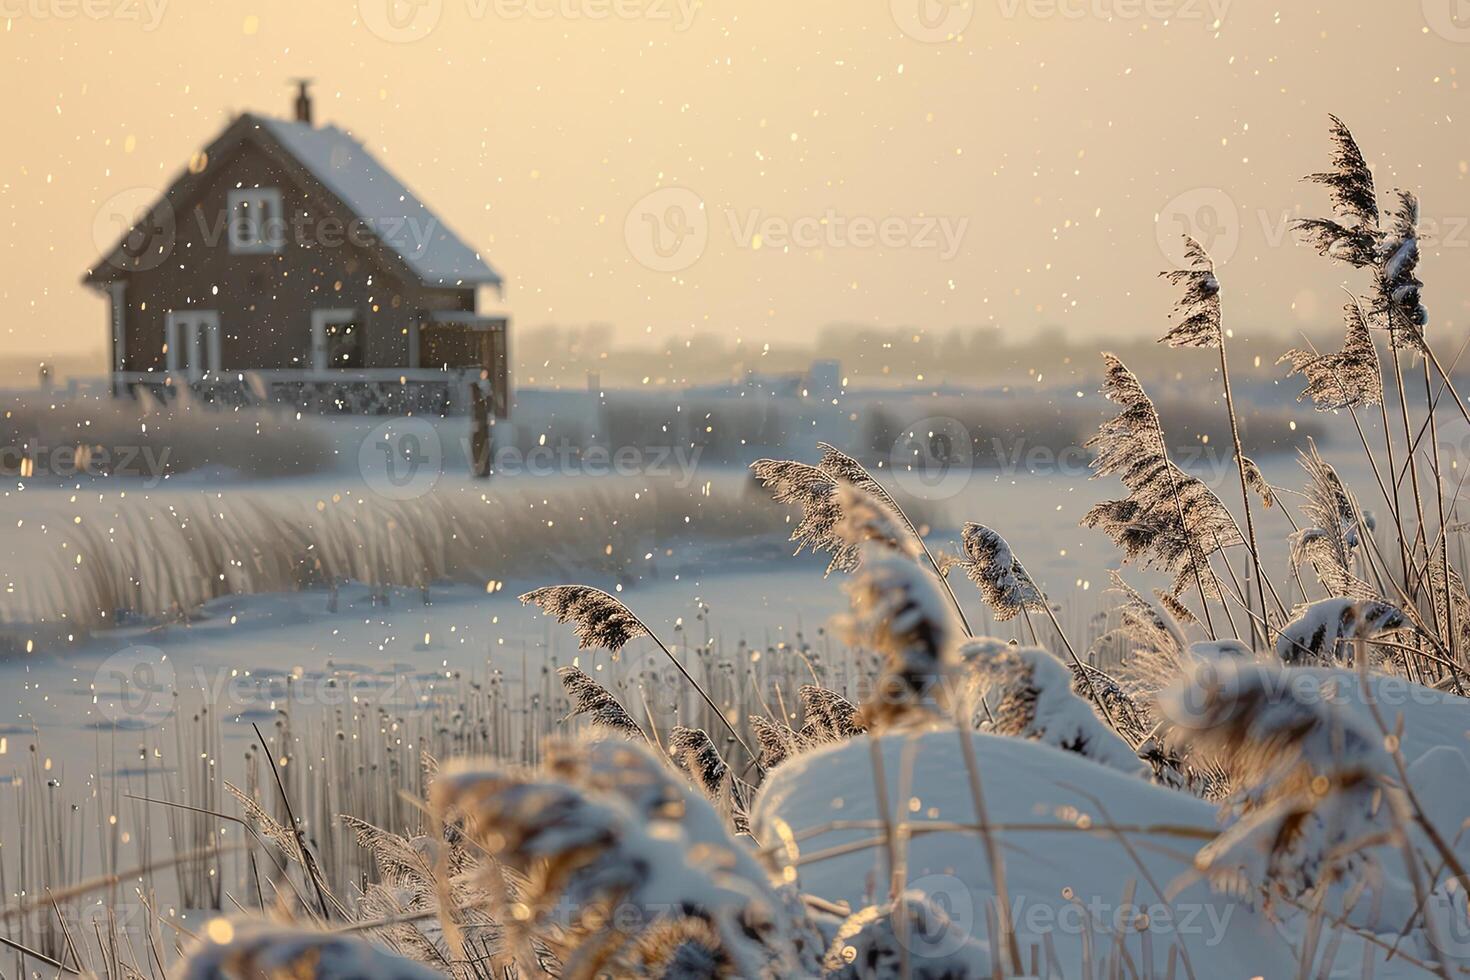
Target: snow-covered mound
[(1431, 718), (1081, 895)]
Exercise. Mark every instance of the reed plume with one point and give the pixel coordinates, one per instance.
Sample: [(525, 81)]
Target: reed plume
[(1169, 520), (1197, 315), (815, 492), (1354, 238), (897, 613), (1308, 777), (1255, 481), (1331, 538), (818, 490), (1001, 578), (611, 848), (1346, 378), (1397, 289), (597, 703), (601, 621), (1199, 323), (829, 717), (695, 755)]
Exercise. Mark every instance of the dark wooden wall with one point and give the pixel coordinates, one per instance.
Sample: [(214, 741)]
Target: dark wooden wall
[(265, 301)]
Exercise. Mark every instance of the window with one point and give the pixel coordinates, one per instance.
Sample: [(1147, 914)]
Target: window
[(192, 339), (336, 340), (257, 223)]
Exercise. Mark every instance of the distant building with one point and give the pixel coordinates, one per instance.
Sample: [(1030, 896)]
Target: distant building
[(287, 257), (820, 382)]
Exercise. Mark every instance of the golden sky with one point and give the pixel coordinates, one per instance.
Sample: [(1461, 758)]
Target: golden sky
[(763, 167)]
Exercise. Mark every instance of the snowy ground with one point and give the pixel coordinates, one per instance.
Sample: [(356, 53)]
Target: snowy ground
[(87, 700)]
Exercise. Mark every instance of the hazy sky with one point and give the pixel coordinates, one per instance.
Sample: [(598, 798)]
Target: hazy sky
[(897, 162)]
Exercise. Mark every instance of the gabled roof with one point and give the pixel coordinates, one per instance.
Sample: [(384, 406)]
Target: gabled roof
[(348, 170), (420, 242)]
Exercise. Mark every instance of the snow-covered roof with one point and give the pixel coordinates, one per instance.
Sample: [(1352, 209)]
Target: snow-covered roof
[(395, 215)]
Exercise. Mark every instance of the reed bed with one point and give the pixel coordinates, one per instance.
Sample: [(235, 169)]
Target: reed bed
[(1256, 703), (161, 555)]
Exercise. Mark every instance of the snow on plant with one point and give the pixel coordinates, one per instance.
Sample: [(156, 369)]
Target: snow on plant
[(1397, 293), (609, 863), (1323, 631), (932, 947), (1309, 777), (815, 492), (1033, 699), (1000, 577), (899, 613), (233, 948)]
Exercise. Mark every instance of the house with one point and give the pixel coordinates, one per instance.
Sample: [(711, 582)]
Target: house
[(287, 258)]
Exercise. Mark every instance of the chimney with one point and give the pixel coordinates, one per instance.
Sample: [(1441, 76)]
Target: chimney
[(303, 101)]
